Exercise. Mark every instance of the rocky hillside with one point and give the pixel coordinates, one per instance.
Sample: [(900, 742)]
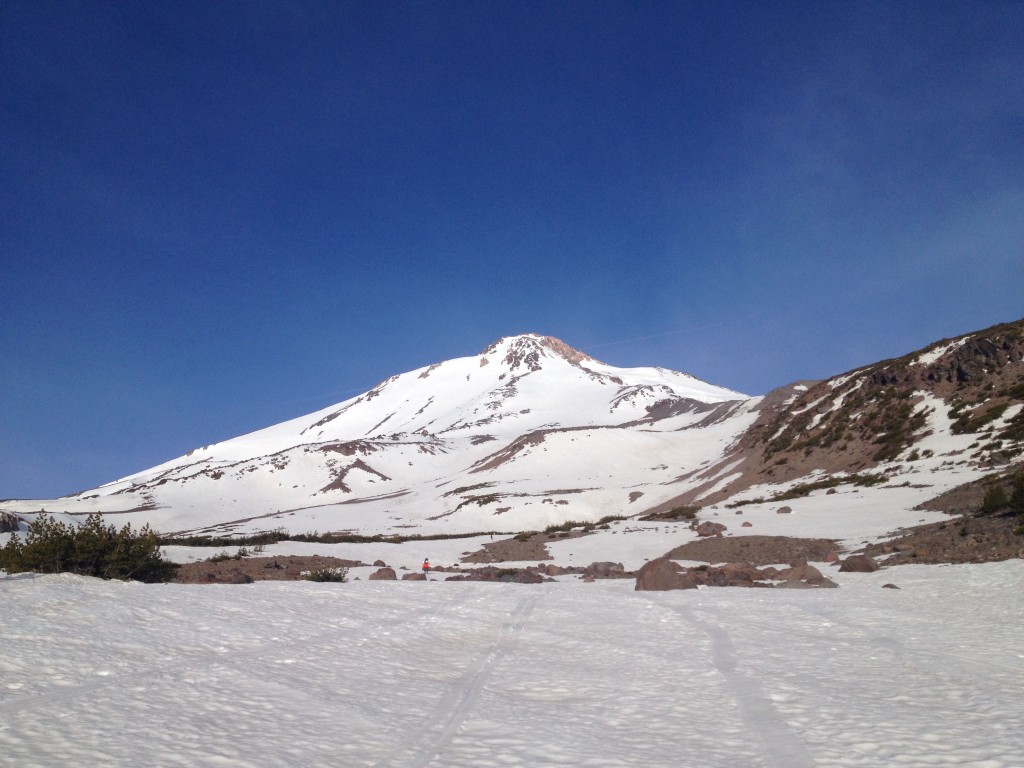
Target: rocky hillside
[(877, 415)]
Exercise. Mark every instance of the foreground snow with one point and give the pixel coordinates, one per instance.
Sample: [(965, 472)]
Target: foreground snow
[(464, 674)]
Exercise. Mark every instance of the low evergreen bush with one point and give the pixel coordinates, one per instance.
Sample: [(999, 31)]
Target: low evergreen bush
[(327, 574), (91, 549)]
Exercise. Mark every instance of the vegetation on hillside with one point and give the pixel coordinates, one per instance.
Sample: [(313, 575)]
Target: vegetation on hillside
[(873, 405), (91, 549)]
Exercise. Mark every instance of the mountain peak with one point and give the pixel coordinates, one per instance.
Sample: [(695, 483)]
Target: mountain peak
[(529, 348)]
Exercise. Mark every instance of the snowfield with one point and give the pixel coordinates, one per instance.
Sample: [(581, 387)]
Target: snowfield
[(562, 674)]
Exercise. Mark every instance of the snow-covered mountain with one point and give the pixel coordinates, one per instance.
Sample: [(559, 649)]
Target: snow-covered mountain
[(531, 433), (528, 433)]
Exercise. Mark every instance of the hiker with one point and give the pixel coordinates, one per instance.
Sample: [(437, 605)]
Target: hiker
[(426, 565)]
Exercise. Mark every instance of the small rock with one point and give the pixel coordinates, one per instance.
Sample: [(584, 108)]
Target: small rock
[(784, 510), (889, 586)]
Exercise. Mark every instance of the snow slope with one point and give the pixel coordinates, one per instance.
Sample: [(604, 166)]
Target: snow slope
[(530, 429), (410, 674)]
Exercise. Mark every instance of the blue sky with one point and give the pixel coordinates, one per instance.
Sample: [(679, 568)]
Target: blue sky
[(217, 216)]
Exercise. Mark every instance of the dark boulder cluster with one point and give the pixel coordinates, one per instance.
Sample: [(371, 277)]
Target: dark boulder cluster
[(664, 574), (658, 575)]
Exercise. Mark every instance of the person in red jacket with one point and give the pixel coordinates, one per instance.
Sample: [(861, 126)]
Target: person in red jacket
[(426, 565)]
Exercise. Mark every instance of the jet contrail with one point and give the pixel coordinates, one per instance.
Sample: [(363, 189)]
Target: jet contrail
[(660, 335)]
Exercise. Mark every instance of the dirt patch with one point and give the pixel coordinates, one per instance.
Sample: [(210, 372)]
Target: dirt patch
[(964, 499), (519, 548), (257, 569), (971, 539), (756, 550)]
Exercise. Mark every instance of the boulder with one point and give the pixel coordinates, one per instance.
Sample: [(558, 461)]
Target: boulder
[(414, 577), (859, 564), (384, 574), (708, 528), (605, 570), (527, 576), (800, 573), (379, 564), (747, 524), (662, 574), (740, 574), (784, 510)]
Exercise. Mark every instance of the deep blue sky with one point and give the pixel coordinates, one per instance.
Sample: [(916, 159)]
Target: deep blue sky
[(215, 216)]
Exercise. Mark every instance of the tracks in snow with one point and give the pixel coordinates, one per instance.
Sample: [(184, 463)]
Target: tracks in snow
[(780, 746), (428, 740)]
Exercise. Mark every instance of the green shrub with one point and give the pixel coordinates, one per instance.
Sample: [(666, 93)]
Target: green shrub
[(676, 513), (995, 500), (91, 549), (327, 574), (1016, 500)]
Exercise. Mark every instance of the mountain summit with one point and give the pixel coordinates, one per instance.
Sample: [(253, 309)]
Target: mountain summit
[(529, 349)]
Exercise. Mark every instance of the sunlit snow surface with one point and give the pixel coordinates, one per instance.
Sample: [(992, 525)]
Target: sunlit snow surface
[(565, 674)]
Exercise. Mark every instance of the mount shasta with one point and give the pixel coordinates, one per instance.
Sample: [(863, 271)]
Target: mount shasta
[(531, 433)]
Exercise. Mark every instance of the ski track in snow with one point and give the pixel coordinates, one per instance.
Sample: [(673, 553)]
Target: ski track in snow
[(781, 747), (427, 741), (459, 675)]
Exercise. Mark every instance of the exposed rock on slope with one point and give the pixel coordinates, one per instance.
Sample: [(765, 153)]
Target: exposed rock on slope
[(876, 414)]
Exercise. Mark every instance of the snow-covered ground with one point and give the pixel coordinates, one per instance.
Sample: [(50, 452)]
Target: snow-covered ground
[(469, 674)]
